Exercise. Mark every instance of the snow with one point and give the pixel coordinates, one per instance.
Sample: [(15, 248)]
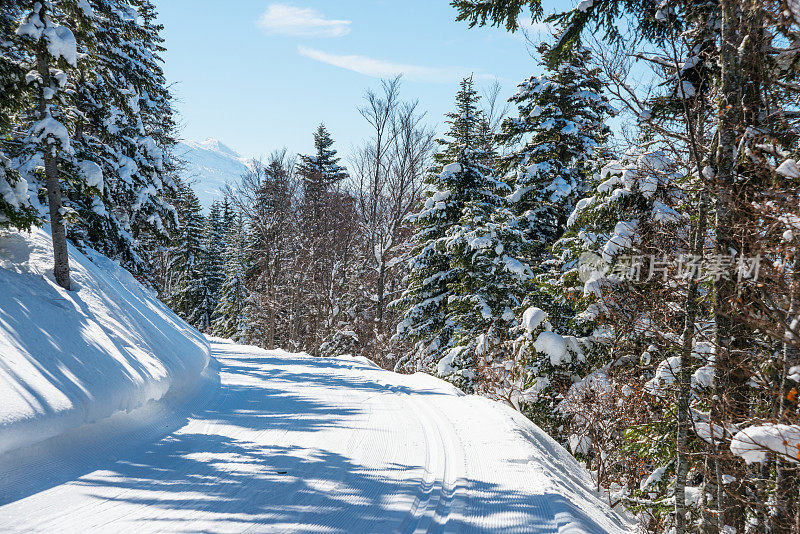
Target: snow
[(516, 267), (754, 443), (93, 174), (584, 5), (666, 375), (554, 346), (61, 43), (654, 477), (533, 317), (16, 191), (444, 366), (789, 169), (794, 373), (71, 358), (292, 443), (452, 168), (86, 8), (211, 165), (621, 240), (50, 129)]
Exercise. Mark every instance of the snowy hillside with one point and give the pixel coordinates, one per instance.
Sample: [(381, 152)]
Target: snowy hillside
[(69, 358), (209, 165)]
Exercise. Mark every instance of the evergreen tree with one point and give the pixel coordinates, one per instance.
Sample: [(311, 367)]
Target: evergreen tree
[(561, 130), (230, 316), (125, 130), (16, 208), (97, 118), (189, 294), (320, 171), (488, 277), (213, 262), (44, 38), (464, 278), (431, 276)]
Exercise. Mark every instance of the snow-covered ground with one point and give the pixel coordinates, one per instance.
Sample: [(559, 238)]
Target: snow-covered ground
[(113, 418), (291, 443), (68, 358), (209, 165)]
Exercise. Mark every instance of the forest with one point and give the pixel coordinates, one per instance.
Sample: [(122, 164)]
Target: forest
[(614, 252)]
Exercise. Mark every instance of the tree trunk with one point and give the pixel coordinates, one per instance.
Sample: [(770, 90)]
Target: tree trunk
[(786, 498), (50, 155), (685, 379)]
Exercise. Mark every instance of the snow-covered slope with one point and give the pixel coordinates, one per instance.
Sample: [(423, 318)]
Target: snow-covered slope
[(68, 358), (292, 443), (209, 165)]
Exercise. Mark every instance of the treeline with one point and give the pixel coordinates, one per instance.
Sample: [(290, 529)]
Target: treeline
[(304, 253)]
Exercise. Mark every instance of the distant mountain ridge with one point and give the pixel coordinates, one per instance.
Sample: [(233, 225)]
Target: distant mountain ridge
[(209, 165)]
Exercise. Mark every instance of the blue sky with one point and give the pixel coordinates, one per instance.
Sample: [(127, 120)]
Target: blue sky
[(260, 75)]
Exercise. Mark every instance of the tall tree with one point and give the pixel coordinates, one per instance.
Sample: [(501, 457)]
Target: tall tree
[(559, 131), (230, 317), (46, 38), (188, 291), (464, 276)]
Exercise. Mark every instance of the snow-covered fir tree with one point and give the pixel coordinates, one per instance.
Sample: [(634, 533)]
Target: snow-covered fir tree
[(430, 273), (559, 131), (98, 125), (489, 278), (45, 42), (213, 262), (188, 292), (321, 170), (230, 316), (16, 208), (465, 276), (126, 130)]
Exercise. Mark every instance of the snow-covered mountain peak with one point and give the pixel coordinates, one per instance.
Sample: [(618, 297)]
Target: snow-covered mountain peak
[(209, 165), (215, 145)]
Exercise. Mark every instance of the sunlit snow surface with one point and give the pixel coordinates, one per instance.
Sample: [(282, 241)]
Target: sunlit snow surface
[(68, 358), (291, 443)]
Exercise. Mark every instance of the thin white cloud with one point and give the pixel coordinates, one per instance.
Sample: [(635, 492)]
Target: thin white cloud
[(379, 68), (283, 19), (536, 27)]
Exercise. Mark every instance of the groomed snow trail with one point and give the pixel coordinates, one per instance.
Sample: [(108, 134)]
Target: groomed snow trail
[(290, 443)]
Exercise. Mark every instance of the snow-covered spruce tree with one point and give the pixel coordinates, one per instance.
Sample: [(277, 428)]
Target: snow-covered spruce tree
[(430, 274), (553, 141), (489, 280), (125, 130), (213, 262), (464, 276), (230, 316), (189, 291), (107, 97), (45, 42)]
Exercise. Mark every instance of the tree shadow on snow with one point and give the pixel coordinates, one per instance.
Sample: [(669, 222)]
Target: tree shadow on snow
[(207, 482)]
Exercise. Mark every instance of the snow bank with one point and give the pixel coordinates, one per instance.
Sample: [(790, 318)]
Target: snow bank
[(755, 442), (71, 358)]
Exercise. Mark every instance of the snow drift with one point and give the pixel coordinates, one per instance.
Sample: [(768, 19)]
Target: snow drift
[(68, 358)]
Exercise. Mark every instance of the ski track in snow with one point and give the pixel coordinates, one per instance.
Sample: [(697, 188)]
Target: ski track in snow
[(291, 443)]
